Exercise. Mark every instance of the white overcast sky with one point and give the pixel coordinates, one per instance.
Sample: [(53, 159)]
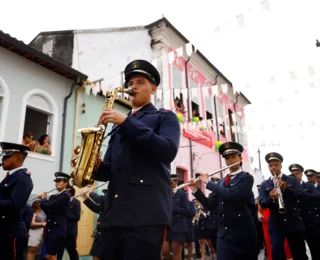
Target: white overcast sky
[(266, 54)]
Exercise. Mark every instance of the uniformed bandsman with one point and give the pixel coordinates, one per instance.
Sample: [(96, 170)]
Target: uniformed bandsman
[(15, 190), (176, 233), (141, 148), (95, 203), (190, 234), (286, 223), (73, 217), (56, 211), (308, 211), (231, 196)]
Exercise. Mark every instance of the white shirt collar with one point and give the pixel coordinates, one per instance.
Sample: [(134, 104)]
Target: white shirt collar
[(316, 185), (60, 192), (301, 181), (134, 110), (236, 172), (14, 170)]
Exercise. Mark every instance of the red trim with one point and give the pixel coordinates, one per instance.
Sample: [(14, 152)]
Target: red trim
[(14, 248), (165, 233)]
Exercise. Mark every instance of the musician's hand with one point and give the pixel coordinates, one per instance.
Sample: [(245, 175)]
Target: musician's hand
[(274, 194), (44, 195), (260, 217), (193, 185), (84, 196), (97, 165), (91, 189), (112, 116), (204, 178), (282, 184), (202, 212)]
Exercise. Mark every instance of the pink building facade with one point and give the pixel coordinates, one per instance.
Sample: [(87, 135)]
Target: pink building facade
[(209, 111)]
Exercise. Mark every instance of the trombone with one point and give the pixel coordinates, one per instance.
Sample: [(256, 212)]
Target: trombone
[(210, 174)]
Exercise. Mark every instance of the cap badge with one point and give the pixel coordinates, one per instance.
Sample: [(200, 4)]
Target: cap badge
[(227, 145), (135, 65)]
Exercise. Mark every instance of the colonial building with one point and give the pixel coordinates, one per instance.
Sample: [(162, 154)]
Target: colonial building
[(34, 92), (202, 96)]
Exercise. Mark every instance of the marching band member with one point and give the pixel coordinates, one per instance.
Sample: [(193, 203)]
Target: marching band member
[(308, 212), (189, 239), (141, 148), (15, 190), (73, 217), (56, 211), (95, 203), (176, 233), (231, 196), (289, 223)]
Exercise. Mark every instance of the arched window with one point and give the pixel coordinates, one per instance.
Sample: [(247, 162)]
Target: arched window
[(4, 106), (39, 116)]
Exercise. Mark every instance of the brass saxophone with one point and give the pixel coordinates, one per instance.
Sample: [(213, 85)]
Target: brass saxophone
[(85, 156)]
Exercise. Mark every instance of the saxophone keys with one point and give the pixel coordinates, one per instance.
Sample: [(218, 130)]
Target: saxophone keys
[(76, 150), (74, 162)]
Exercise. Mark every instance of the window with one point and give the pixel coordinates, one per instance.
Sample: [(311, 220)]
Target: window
[(221, 118), (39, 117), (240, 133), (209, 117), (4, 106), (194, 91), (232, 126), (176, 77), (47, 47), (36, 122), (195, 110), (159, 95)]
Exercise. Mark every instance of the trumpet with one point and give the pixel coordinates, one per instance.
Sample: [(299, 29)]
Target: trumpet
[(281, 209), (81, 193), (210, 174)]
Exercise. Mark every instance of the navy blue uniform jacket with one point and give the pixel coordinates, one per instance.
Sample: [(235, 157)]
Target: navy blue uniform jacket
[(308, 207), (73, 216), (137, 164), (290, 221), (56, 211), (235, 222), (180, 212), (14, 193)]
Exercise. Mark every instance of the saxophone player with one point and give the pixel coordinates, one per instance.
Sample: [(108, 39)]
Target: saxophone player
[(138, 206), (283, 192)]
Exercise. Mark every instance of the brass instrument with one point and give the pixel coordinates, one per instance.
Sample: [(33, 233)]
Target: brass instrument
[(86, 155), (210, 174), (281, 209)]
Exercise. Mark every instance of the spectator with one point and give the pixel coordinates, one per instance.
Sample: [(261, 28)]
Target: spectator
[(43, 145), (28, 141)]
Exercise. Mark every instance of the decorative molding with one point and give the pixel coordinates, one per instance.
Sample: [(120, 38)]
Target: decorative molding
[(5, 107), (54, 112)]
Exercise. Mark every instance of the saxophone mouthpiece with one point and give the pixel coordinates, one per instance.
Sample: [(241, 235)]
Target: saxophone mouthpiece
[(131, 92)]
